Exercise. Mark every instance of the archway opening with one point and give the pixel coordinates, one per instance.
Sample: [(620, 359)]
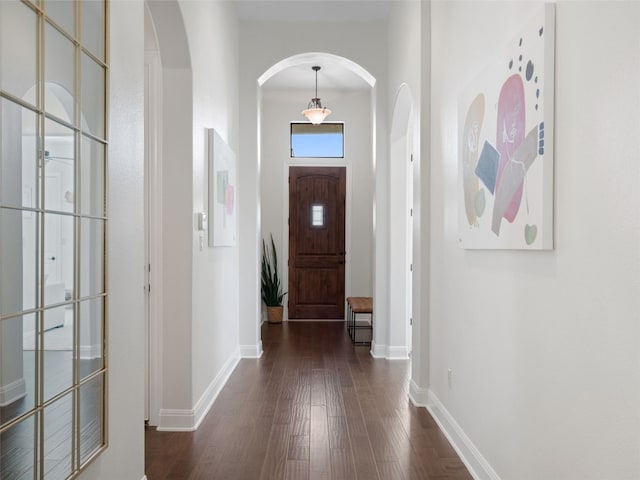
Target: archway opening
[(349, 90), (401, 224)]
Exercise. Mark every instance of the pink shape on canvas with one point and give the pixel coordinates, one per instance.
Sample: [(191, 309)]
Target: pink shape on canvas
[(510, 133), (229, 203)]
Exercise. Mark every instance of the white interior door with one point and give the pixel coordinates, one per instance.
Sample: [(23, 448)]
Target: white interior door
[(153, 237), (147, 248), (52, 225), (409, 290)]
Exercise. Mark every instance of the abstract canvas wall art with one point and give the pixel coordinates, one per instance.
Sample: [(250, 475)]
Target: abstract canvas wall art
[(222, 192), (505, 151)]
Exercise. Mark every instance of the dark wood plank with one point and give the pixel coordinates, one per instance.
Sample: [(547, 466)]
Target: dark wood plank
[(314, 407)]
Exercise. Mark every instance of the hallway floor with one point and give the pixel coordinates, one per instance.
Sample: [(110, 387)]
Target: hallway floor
[(313, 407)]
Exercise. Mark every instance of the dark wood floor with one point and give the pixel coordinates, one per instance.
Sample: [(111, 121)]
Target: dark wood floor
[(313, 407)]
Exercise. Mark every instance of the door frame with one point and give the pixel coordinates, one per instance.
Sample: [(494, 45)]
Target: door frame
[(293, 162), (401, 256), (153, 239)]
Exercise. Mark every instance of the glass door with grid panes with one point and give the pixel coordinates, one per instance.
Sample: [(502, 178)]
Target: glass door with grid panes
[(53, 230)]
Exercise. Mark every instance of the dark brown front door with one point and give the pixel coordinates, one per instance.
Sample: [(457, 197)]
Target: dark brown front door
[(316, 242)]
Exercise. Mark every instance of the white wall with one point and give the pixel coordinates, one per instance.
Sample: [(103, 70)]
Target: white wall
[(262, 45), (173, 370), (199, 53), (544, 346), (213, 43), (405, 85), (125, 456), (422, 221), (279, 108)]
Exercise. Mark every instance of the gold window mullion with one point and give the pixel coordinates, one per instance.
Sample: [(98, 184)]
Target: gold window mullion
[(105, 305), (76, 454), (40, 232)]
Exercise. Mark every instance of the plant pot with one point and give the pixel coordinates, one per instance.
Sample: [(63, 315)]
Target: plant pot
[(274, 314)]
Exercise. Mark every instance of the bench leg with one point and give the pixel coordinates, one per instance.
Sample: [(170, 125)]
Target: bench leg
[(356, 327)]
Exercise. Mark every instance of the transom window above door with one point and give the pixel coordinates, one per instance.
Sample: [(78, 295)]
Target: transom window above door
[(317, 141)]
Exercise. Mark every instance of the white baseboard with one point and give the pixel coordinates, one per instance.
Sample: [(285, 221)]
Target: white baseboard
[(251, 351), (397, 353), (419, 396), (144, 478), (388, 352), (211, 393), (88, 352), (475, 462), (177, 420), (12, 391), (378, 351)]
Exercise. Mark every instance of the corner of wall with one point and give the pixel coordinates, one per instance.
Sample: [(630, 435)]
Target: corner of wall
[(377, 350), (419, 396), (475, 462), (251, 351), (188, 420), (389, 352)]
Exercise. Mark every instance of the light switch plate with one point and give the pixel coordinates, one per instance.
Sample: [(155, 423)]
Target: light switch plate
[(202, 221)]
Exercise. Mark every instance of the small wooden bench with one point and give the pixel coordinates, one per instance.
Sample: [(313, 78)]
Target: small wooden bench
[(359, 306)]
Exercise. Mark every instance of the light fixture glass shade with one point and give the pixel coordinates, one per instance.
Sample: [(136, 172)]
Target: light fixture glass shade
[(316, 115), (315, 112)]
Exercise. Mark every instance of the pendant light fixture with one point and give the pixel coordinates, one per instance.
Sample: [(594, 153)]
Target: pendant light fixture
[(315, 112)]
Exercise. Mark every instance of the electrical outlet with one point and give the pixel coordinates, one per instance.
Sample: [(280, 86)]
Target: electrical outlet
[(449, 376)]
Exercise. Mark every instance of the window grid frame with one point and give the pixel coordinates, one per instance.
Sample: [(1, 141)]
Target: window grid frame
[(37, 412)]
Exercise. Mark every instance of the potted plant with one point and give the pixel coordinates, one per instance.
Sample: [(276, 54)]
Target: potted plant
[(272, 293)]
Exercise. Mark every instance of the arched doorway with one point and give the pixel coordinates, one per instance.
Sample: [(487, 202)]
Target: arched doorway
[(168, 101), (283, 92), (401, 225)]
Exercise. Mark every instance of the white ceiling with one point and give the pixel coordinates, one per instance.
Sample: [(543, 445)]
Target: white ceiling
[(333, 75), (313, 10)]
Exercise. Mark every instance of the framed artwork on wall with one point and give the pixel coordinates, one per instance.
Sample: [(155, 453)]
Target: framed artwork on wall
[(222, 192), (505, 150)]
